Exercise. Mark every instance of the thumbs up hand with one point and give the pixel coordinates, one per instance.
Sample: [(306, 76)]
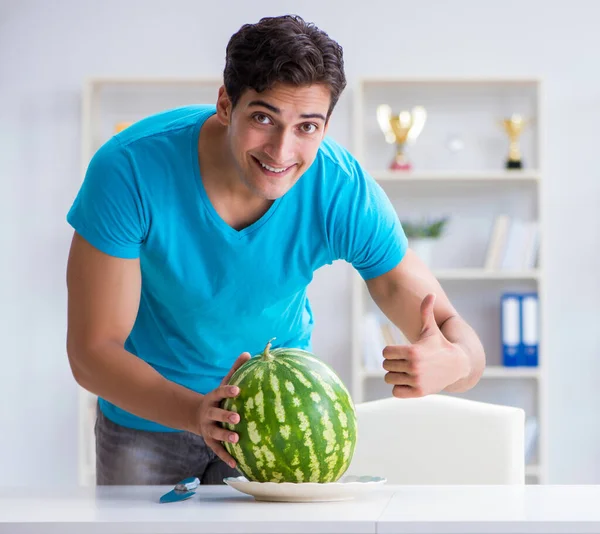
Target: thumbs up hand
[(428, 365)]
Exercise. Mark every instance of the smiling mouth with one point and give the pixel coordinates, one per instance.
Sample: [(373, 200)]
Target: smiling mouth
[(272, 171)]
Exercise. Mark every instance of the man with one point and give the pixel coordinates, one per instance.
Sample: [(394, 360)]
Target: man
[(197, 231)]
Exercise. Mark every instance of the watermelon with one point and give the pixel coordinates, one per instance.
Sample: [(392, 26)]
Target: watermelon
[(297, 419)]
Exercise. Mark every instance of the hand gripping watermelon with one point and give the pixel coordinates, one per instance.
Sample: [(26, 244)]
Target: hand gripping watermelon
[(297, 419)]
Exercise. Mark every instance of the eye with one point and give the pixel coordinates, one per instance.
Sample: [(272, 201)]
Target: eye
[(261, 118), (309, 127)]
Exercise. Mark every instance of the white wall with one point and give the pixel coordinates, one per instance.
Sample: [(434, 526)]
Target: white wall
[(46, 48)]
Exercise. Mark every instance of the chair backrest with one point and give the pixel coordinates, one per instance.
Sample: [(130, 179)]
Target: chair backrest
[(439, 439)]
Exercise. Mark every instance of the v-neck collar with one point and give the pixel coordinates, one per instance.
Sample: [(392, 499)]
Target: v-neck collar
[(227, 230)]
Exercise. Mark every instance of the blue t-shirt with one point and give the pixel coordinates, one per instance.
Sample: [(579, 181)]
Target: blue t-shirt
[(210, 292)]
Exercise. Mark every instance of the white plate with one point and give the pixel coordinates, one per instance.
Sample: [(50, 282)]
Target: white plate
[(345, 489)]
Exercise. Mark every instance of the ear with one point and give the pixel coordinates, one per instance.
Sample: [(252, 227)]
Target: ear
[(223, 107)]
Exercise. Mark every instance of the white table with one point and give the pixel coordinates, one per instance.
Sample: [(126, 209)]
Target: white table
[(492, 509), (221, 509), (214, 510)]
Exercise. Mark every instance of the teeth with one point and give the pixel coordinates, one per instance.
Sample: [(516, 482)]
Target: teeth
[(272, 169)]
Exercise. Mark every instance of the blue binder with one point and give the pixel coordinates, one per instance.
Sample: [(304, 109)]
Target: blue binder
[(529, 329), (510, 329)]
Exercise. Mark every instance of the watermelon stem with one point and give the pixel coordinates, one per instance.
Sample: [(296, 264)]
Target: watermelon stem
[(266, 355)]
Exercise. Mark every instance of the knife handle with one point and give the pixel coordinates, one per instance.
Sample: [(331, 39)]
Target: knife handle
[(187, 484)]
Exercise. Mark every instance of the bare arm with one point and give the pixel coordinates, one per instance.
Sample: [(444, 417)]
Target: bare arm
[(103, 300), (400, 294)]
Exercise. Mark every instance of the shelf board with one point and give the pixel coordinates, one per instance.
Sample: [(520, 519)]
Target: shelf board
[(152, 80), (485, 274), (499, 371), (491, 371), (484, 176), (447, 80)]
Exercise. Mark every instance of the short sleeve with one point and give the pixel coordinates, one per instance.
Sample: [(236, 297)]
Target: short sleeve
[(364, 227), (108, 211)]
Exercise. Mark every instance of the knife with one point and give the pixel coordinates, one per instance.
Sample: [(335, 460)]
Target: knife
[(183, 490)]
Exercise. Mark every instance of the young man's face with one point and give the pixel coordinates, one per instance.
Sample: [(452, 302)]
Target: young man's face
[(274, 135)]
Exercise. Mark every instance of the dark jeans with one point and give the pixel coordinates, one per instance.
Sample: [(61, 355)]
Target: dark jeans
[(137, 457)]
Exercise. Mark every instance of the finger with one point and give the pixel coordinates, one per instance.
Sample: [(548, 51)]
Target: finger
[(223, 392), (242, 358), (400, 366), (223, 416), (400, 352), (406, 392), (221, 452), (427, 316), (400, 379), (222, 434)]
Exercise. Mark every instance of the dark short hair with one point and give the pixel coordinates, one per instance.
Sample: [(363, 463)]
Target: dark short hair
[(283, 49)]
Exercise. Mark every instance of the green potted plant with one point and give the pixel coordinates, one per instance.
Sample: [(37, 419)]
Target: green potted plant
[(423, 234)]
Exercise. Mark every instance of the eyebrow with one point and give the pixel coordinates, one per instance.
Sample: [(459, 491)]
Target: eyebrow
[(277, 111)]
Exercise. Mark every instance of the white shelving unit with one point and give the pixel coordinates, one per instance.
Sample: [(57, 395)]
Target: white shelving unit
[(470, 186), (106, 102)]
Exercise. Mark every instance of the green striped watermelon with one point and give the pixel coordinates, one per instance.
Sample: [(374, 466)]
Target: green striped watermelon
[(297, 419)]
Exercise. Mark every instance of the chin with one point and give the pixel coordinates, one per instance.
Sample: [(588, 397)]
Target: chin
[(269, 189), (271, 192)]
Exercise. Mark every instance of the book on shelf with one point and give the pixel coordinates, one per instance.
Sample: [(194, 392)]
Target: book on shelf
[(519, 327), (513, 244), (531, 434), (378, 332)]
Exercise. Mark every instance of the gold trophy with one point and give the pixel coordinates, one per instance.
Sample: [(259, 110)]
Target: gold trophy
[(513, 126), (401, 129), (120, 126)]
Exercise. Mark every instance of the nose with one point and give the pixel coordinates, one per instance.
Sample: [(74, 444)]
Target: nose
[(281, 147)]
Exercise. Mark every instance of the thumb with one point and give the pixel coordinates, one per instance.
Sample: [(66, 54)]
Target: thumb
[(242, 358), (428, 324)]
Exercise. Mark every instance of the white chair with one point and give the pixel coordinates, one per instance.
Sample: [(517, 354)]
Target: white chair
[(439, 439)]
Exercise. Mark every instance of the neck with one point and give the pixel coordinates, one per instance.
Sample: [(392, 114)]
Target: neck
[(214, 156)]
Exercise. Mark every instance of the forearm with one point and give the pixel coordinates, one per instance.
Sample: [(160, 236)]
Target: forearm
[(457, 331), (113, 373)]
